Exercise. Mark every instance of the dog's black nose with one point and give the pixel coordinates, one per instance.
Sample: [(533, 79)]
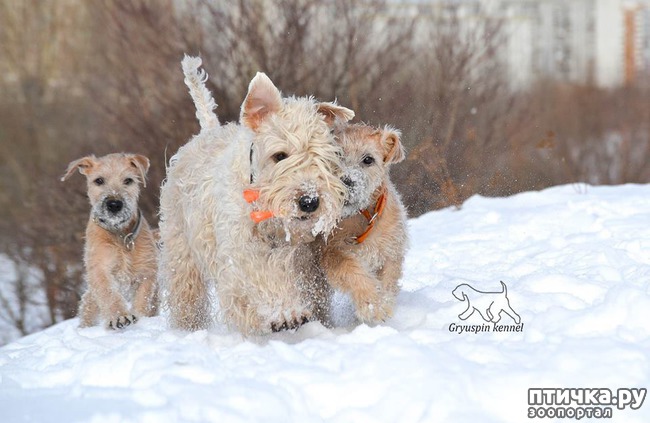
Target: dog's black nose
[(347, 181), (114, 206), (308, 203)]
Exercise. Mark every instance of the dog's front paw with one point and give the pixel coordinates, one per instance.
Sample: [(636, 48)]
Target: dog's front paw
[(121, 322), (290, 320), (374, 308)]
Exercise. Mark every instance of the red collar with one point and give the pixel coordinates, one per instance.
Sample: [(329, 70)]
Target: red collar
[(372, 218)]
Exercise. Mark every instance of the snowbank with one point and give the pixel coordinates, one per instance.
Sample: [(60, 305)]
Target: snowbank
[(575, 259)]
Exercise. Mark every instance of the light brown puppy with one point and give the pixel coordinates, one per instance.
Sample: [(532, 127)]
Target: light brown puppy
[(364, 256), (120, 252)]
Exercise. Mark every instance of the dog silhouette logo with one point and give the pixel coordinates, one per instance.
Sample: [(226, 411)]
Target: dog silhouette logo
[(489, 305)]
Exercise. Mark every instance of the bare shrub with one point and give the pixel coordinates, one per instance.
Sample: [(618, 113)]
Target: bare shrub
[(595, 135), (464, 106), (41, 117)]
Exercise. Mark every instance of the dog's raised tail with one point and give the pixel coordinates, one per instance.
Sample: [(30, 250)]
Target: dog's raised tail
[(195, 80), (505, 288)]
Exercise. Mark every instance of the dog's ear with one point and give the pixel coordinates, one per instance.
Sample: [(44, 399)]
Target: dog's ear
[(333, 113), (393, 149), (263, 99), (141, 163), (83, 164)]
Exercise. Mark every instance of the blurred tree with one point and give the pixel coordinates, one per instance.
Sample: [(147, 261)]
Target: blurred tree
[(465, 104), (40, 117)]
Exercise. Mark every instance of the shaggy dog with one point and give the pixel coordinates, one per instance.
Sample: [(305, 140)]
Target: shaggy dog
[(240, 204), (364, 255), (120, 251)]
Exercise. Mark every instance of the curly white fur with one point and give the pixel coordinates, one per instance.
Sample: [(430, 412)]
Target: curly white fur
[(195, 80)]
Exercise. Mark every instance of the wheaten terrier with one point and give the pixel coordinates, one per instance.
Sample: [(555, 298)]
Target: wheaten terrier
[(120, 251), (364, 255), (284, 157)]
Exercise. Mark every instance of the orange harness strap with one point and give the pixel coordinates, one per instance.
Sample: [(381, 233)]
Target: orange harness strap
[(250, 196), (372, 218)]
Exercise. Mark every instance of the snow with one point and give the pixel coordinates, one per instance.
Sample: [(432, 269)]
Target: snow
[(575, 259)]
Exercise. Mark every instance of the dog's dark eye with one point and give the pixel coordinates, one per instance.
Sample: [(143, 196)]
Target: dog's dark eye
[(128, 181), (99, 181), (368, 160), (278, 157)]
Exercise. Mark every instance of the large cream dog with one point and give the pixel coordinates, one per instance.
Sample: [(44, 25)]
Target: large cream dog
[(284, 156)]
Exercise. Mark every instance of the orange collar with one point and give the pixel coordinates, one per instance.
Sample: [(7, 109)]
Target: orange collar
[(372, 218)]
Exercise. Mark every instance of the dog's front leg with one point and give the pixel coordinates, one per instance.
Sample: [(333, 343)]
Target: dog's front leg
[(186, 291), (112, 307), (261, 302), (88, 310), (510, 312), (345, 273), (146, 297), (188, 298), (467, 313), (389, 275), (486, 314), (316, 292)]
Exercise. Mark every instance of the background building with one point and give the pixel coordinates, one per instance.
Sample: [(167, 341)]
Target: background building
[(605, 42)]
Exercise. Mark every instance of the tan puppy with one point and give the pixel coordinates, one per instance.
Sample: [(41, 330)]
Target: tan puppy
[(120, 252), (364, 256)]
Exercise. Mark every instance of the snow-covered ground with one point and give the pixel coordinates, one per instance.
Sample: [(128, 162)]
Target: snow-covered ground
[(575, 259)]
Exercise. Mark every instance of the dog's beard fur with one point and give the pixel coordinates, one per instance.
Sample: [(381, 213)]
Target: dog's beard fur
[(114, 222), (359, 195), (293, 226), (301, 174)]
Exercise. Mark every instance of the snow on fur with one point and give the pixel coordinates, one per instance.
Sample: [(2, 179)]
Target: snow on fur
[(575, 259)]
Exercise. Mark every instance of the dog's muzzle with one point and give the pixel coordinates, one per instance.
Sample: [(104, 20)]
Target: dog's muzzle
[(112, 213)]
